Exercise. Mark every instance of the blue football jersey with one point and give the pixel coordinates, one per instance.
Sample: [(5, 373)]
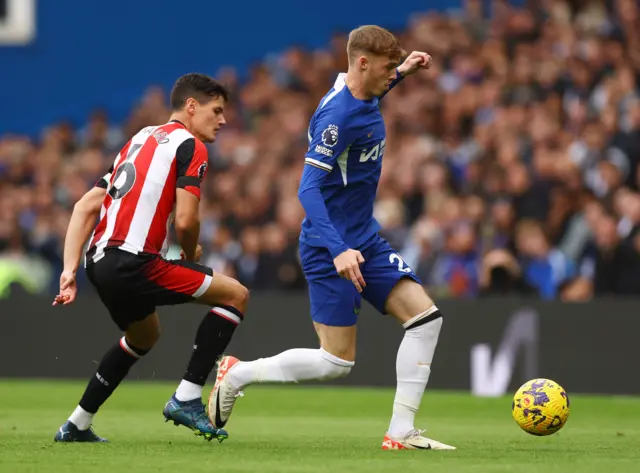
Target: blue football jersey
[(342, 170)]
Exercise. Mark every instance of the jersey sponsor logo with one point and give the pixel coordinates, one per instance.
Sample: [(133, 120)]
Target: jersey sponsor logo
[(202, 170), (374, 153), (330, 136), (323, 150), (161, 137)]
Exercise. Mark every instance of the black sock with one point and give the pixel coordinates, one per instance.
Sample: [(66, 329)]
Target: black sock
[(212, 339), (113, 368)]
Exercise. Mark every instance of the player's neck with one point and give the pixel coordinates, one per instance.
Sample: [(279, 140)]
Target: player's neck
[(356, 86), (186, 121), (180, 117)]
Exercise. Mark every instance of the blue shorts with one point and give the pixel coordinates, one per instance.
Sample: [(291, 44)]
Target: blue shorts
[(335, 301)]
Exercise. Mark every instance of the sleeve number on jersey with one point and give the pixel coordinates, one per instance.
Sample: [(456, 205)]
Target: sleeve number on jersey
[(374, 153), (402, 266), (125, 175)]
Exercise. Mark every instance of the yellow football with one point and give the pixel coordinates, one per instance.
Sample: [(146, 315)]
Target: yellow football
[(540, 407)]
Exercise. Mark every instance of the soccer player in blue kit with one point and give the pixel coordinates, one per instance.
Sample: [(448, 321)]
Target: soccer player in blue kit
[(343, 257)]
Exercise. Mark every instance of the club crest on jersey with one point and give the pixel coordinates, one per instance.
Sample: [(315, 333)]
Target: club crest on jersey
[(202, 170), (161, 137), (330, 136)]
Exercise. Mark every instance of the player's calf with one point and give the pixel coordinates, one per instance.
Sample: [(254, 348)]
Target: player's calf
[(291, 366), (229, 299), (113, 368), (422, 321)]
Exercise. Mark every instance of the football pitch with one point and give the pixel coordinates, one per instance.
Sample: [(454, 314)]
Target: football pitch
[(309, 429)]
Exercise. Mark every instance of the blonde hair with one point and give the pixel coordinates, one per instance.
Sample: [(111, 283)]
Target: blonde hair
[(375, 40)]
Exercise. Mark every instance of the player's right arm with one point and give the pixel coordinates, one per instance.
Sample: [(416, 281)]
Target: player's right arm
[(413, 63), (83, 218), (192, 163), (329, 138)]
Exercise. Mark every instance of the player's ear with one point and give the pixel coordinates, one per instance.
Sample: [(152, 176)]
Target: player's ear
[(363, 62), (191, 104)]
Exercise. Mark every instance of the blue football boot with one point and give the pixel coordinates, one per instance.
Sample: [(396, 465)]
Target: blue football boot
[(192, 414), (70, 433)]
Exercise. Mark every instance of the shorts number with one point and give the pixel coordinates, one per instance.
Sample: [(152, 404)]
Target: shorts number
[(402, 266), (125, 176)]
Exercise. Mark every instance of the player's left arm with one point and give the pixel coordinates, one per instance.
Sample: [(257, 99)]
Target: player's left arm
[(192, 163), (416, 61), (330, 135)]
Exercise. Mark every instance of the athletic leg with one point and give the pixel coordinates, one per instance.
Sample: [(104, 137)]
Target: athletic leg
[(228, 299), (136, 317), (334, 307), (413, 308), (394, 289), (334, 359), (179, 282), (137, 341)]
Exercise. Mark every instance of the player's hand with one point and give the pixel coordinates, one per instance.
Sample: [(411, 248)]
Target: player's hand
[(68, 289), (198, 253), (348, 266), (417, 60)]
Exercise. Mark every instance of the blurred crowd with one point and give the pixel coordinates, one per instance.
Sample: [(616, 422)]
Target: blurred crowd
[(511, 167)]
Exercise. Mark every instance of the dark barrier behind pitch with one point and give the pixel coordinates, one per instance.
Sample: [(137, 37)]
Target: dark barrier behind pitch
[(488, 346)]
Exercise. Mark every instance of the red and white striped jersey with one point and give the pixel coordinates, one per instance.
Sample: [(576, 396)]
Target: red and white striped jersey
[(141, 189)]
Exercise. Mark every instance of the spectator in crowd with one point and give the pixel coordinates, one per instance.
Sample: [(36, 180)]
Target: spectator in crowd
[(501, 275), (512, 167), (544, 267)]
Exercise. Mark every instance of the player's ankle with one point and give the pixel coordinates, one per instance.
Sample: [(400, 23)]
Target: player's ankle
[(237, 379), (399, 432), (188, 391), (81, 418), (401, 424)]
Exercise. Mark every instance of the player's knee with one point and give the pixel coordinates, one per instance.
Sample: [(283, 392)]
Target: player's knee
[(334, 367), (241, 297), (237, 298)]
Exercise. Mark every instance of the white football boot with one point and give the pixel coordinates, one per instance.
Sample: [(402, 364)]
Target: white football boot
[(413, 441), (224, 395)]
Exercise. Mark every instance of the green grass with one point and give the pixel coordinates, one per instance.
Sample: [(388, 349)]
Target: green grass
[(309, 429)]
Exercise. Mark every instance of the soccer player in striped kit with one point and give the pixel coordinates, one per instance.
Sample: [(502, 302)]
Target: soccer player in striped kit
[(154, 182)]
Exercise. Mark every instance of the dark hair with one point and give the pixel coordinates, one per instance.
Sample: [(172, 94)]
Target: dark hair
[(198, 86)]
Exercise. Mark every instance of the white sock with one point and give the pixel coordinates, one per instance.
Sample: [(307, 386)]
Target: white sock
[(81, 418), (291, 366), (188, 391), (413, 367)]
